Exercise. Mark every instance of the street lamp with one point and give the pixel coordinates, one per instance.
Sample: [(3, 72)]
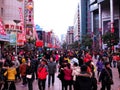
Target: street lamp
[(16, 22)]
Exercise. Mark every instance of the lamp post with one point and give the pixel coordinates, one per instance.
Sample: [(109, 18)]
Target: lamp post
[(16, 22)]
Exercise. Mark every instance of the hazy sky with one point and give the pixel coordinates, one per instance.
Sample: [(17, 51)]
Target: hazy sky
[(55, 14)]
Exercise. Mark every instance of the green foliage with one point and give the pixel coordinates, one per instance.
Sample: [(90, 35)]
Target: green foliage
[(110, 39), (64, 45), (87, 41)]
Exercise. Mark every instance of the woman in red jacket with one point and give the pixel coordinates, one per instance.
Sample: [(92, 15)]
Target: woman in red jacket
[(42, 73), (68, 77)]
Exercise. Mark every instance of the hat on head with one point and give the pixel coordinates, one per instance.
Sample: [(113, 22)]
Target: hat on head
[(23, 60)]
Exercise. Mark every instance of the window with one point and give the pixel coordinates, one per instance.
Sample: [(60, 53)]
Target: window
[(1, 11)]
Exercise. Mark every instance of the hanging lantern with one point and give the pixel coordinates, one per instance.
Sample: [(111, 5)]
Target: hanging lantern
[(29, 6), (112, 30)]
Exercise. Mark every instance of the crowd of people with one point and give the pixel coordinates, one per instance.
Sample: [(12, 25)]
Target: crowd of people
[(75, 68)]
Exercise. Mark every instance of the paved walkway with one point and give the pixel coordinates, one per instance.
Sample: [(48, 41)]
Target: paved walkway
[(57, 85)]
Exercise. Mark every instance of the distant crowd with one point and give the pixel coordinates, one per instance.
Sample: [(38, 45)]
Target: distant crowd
[(76, 69)]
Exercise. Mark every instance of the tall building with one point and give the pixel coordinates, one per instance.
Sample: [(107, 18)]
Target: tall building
[(105, 17), (29, 18), (81, 20), (17, 15), (9, 12), (70, 36), (76, 24), (83, 17), (63, 38)]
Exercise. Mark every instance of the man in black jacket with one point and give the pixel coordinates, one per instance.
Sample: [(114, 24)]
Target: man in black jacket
[(84, 81), (105, 76)]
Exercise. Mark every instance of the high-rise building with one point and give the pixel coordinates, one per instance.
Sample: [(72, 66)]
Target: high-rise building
[(10, 11), (70, 35), (18, 15), (77, 24), (105, 17), (80, 20)]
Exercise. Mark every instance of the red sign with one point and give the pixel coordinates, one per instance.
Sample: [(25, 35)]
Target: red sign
[(39, 43), (50, 45), (2, 31)]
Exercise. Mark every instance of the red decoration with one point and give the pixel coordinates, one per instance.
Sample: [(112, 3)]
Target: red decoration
[(6, 26), (39, 43), (2, 31), (112, 30), (112, 47), (50, 45), (30, 6)]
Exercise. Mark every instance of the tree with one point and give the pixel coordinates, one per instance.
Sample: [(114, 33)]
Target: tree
[(87, 41), (64, 45), (110, 39)]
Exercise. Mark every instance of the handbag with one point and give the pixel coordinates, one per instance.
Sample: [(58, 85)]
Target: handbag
[(110, 80), (59, 76), (29, 76)]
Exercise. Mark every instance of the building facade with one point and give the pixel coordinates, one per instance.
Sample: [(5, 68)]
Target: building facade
[(18, 16), (76, 25), (70, 35), (105, 16)]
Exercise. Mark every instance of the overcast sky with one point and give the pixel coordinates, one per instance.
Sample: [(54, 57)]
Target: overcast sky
[(55, 15)]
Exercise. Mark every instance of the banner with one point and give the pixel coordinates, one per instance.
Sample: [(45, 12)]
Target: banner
[(2, 31), (12, 39), (21, 36)]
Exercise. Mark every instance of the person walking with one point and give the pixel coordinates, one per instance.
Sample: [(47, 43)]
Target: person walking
[(22, 69), (118, 66), (51, 71), (42, 73), (83, 80), (68, 76), (2, 78), (17, 65), (75, 73), (99, 66), (29, 74), (106, 76), (10, 74)]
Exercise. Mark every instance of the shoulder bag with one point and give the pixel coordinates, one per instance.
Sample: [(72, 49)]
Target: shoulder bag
[(110, 80)]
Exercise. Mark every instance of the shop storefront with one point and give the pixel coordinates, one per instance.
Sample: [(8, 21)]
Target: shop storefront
[(3, 39)]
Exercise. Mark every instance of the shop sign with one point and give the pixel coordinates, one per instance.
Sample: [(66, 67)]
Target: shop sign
[(4, 37), (13, 39)]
